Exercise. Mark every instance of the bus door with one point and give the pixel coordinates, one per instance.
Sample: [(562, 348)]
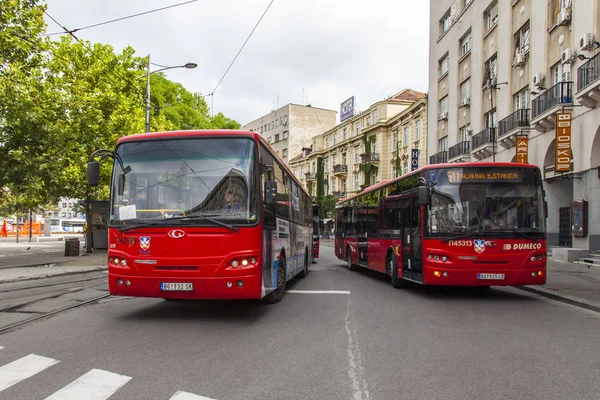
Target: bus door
[(362, 231), (411, 237)]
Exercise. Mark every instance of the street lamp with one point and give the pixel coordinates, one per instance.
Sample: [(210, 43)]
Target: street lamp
[(189, 65)]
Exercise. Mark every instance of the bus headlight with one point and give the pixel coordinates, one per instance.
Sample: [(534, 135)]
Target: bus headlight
[(123, 263), (235, 264), (244, 262)]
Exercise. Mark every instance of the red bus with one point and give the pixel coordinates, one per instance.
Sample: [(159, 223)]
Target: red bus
[(463, 224), (204, 215)]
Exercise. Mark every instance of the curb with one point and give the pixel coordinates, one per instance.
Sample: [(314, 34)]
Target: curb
[(36, 277), (563, 298)]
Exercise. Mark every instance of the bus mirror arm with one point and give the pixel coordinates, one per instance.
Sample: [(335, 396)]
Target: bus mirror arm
[(93, 168)]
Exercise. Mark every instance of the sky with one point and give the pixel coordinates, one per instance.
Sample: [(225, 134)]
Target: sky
[(318, 52)]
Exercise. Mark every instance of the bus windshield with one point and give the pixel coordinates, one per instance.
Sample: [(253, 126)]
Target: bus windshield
[(496, 201), (210, 177)]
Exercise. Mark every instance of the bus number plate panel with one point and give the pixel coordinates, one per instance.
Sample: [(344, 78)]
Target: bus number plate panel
[(176, 286), (491, 277)]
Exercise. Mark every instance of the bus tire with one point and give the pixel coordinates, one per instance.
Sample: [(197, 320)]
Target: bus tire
[(276, 295), (304, 273), (349, 263), (392, 270)]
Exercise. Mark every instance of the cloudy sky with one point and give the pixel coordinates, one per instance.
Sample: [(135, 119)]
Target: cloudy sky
[(328, 49)]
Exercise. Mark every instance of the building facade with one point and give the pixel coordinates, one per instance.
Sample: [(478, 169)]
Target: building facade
[(502, 73), (290, 127), (363, 150)]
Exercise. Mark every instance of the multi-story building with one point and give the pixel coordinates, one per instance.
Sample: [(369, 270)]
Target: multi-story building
[(288, 128), (502, 72), (363, 149), (68, 208)]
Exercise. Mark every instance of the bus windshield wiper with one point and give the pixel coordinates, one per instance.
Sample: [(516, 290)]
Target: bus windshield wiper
[(209, 219), (161, 222), (523, 234)]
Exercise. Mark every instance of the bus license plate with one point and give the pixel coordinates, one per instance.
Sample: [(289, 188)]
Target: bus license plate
[(176, 287), (491, 277)]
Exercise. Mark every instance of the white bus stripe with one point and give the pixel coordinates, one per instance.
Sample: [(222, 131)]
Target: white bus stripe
[(319, 291), (188, 396), (23, 368), (94, 385)]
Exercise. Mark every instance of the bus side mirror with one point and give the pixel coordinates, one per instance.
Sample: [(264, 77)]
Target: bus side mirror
[(424, 196), (93, 173), (121, 184), (270, 192)]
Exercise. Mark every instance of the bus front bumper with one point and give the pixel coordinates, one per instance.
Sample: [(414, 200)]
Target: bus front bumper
[(218, 288), (487, 277)]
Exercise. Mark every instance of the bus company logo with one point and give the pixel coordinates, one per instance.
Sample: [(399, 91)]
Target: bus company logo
[(176, 234), (523, 246), (144, 242), (479, 245)]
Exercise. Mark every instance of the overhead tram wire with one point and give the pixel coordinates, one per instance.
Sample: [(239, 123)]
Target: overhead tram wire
[(238, 53), (118, 19)]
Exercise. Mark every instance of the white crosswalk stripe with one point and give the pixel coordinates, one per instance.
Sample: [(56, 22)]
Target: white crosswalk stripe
[(188, 396), (94, 385), (23, 368)]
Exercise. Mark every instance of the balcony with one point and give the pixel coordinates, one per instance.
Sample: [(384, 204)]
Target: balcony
[(309, 176), (588, 84), (369, 157), (550, 171), (340, 170), (546, 105), (460, 152), (512, 126), (439, 158), (339, 195), (482, 144)]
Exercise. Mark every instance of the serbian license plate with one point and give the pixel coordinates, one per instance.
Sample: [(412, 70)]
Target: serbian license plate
[(176, 287), (491, 277)]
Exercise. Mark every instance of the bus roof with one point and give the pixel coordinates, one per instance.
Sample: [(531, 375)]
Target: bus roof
[(212, 132), (436, 166)]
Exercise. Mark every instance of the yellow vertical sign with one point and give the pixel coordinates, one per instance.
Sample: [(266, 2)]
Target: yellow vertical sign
[(563, 155), (523, 149)]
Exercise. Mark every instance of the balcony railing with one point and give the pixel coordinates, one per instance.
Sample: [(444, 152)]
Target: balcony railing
[(310, 176), (369, 157), (588, 72), (340, 168), (484, 137), (339, 195), (561, 93), (439, 158), (518, 119), (459, 149)]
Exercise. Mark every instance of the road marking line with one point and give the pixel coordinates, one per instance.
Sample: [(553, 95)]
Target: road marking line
[(188, 396), (355, 369), (319, 291), (23, 368), (96, 384)]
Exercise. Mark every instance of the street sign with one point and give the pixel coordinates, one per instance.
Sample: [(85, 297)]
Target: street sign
[(563, 155), (414, 159)]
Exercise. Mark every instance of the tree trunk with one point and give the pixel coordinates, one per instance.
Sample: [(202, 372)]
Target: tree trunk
[(30, 227), (17, 225)]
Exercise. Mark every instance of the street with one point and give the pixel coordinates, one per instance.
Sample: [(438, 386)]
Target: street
[(336, 335)]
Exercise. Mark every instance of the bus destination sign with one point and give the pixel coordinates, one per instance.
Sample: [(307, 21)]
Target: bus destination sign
[(477, 175)]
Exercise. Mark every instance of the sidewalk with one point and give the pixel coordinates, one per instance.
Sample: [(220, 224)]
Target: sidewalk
[(572, 283), (37, 266)]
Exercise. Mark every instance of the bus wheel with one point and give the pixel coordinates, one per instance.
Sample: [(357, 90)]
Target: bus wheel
[(304, 273), (393, 272), (276, 295), (351, 266)]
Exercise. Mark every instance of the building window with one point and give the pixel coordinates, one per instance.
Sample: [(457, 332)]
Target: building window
[(445, 22), (334, 160), (334, 138), (560, 73), (373, 147), (491, 118), (326, 165), (491, 70), (284, 154), (375, 116), (522, 40), (557, 7), (405, 139), (314, 145), (465, 44), (405, 167), (521, 99), (344, 186), (277, 138), (465, 133), (466, 3), (417, 130), (314, 166), (443, 143), (301, 172), (285, 134), (443, 65), (465, 89), (356, 182), (491, 16), (443, 106), (326, 141), (395, 141), (333, 184), (356, 155), (393, 171), (345, 133), (64, 205), (296, 171), (357, 126), (368, 120)]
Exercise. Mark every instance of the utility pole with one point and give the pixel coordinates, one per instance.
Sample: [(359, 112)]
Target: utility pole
[(30, 226), (148, 96)]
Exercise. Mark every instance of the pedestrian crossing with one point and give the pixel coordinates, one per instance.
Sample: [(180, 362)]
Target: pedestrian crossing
[(96, 384)]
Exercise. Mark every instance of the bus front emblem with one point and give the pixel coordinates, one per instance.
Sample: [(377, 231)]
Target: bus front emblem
[(176, 234)]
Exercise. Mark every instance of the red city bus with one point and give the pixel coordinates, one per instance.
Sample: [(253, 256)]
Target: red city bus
[(463, 224), (204, 215)]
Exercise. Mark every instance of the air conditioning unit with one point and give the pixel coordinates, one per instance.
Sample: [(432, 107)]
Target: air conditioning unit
[(564, 16), (466, 102), (538, 79), (443, 116), (568, 56), (587, 42), (519, 60)]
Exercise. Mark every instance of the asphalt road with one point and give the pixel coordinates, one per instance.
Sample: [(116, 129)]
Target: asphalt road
[(364, 341)]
